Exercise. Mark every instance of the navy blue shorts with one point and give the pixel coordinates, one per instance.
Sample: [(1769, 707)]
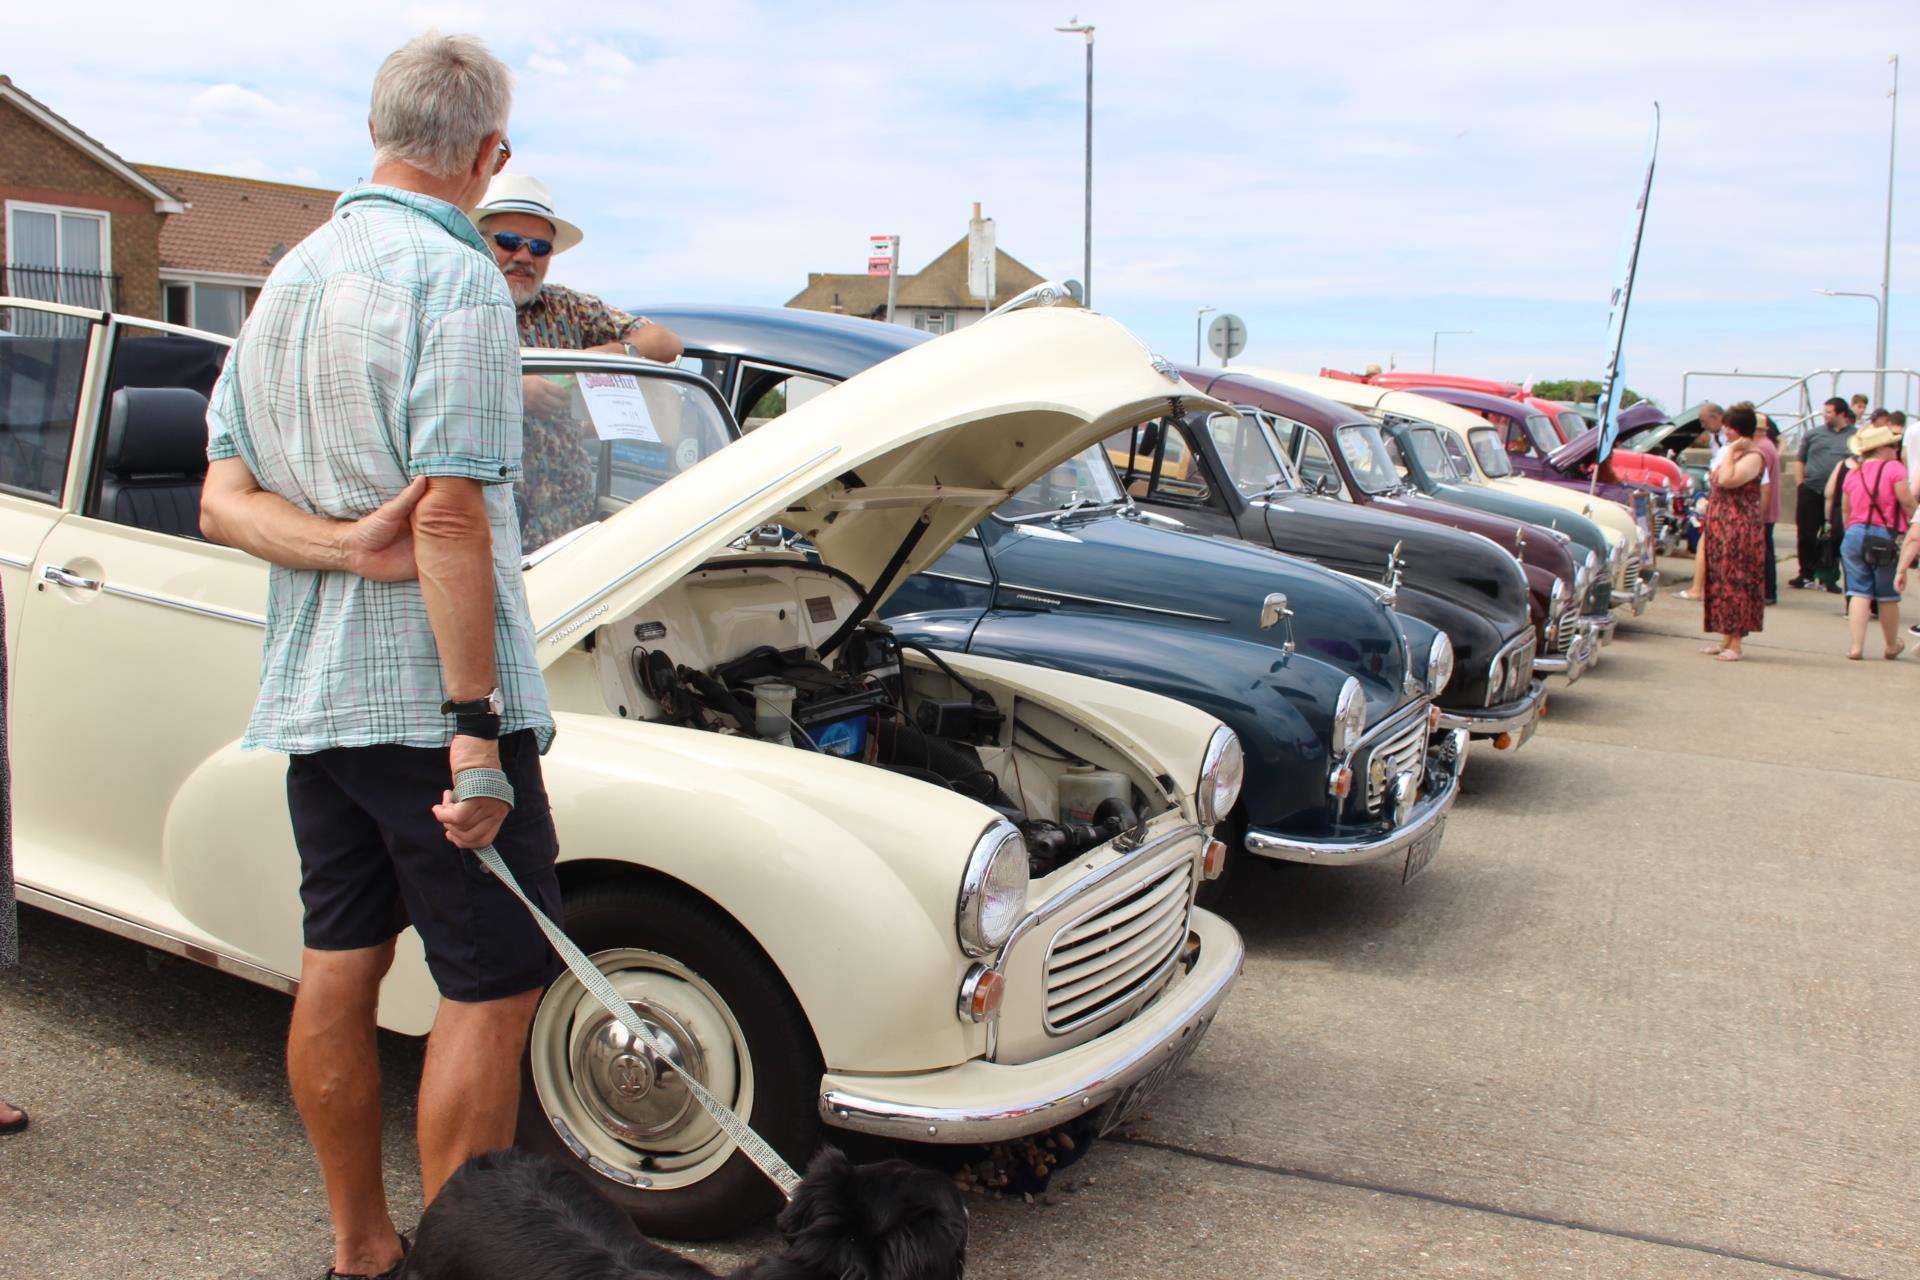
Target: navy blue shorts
[(373, 860)]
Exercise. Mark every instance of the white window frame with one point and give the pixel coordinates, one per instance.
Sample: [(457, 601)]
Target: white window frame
[(194, 280), (59, 244)]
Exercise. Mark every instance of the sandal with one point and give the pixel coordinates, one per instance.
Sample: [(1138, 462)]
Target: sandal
[(16, 1125), (1728, 655), (1713, 650), (1853, 655), (1896, 651), (391, 1273)]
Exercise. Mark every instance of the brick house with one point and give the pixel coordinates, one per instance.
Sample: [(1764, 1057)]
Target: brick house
[(83, 226), (77, 223)]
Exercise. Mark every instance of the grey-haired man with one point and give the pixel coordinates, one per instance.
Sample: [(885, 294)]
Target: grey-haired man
[(380, 372)]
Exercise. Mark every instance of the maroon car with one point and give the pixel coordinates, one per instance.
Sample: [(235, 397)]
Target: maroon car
[(1536, 451), (1338, 452)]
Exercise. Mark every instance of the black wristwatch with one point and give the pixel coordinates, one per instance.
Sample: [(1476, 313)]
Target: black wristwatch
[(479, 718)]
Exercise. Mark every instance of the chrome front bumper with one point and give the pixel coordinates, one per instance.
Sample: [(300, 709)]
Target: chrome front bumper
[(1603, 626), (1644, 591), (1516, 718), (980, 1102), (1574, 662), (1429, 812)]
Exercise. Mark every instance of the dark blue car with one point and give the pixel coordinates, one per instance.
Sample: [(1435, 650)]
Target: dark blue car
[(1330, 690)]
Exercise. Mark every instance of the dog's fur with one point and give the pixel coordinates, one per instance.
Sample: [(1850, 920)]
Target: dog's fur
[(510, 1215)]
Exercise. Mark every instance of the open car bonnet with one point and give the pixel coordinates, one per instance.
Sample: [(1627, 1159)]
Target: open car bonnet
[(881, 474)]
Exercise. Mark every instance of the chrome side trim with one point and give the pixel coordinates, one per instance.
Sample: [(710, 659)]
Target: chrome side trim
[(15, 561), (185, 606), (954, 577), (559, 624), (1045, 594), (1428, 814), (124, 928)]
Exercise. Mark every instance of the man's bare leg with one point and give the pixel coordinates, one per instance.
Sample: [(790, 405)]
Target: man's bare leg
[(333, 1064), (470, 1085)]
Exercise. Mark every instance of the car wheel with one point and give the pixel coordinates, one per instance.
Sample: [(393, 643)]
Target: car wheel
[(610, 1110)]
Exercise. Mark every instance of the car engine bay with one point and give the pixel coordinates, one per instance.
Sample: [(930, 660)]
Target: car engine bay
[(871, 699)]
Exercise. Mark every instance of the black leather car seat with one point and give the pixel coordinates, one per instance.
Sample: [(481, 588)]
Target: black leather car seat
[(156, 458)]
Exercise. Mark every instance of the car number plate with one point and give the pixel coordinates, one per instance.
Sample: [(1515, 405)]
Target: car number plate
[(1421, 854), (1134, 1098)]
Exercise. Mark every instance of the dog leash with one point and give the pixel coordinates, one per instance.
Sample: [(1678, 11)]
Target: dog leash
[(493, 784)]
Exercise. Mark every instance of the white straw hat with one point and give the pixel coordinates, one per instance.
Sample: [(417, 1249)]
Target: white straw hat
[(518, 193)]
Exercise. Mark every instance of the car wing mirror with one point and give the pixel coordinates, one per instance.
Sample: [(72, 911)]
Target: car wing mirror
[(1273, 611)]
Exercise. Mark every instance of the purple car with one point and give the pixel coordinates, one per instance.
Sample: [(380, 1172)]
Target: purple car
[(1535, 450)]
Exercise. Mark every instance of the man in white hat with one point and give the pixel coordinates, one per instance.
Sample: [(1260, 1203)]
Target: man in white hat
[(517, 220)]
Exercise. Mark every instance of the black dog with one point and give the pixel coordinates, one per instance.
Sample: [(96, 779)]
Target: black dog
[(510, 1215)]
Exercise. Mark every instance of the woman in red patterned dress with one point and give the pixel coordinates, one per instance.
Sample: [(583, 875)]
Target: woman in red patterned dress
[(1735, 541)]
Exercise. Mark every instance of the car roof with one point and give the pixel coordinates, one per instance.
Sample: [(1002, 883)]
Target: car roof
[(834, 346), (1477, 400)]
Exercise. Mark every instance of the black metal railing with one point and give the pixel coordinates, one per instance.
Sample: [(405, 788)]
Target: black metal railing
[(98, 289)]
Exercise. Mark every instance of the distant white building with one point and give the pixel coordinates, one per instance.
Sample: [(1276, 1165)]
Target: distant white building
[(939, 298)]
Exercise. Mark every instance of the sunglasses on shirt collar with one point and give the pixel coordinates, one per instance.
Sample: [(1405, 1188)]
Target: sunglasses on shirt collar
[(512, 240)]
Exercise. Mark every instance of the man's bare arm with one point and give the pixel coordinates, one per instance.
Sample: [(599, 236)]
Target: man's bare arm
[(453, 545), (654, 341), (236, 512)]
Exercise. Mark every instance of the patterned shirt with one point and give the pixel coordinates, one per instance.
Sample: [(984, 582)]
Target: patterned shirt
[(381, 349), (556, 494)]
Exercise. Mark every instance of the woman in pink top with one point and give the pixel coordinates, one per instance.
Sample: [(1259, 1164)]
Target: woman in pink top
[(1876, 500), (1766, 441)]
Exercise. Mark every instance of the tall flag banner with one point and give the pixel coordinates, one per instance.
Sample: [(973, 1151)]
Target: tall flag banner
[(1615, 380)]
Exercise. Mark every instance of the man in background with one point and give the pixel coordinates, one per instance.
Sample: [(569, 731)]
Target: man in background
[(557, 493), (1823, 450)]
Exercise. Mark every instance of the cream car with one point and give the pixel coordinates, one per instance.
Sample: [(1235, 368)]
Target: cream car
[(1474, 446), (811, 859)]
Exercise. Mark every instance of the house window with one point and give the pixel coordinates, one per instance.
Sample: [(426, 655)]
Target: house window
[(936, 322), (59, 255), (217, 308)]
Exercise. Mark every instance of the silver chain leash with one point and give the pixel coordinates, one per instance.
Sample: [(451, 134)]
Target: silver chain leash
[(493, 784)]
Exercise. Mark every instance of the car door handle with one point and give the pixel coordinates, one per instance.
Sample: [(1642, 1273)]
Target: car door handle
[(61, 577)]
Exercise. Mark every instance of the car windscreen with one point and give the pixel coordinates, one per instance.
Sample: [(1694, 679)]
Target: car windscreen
[(1248, 456), (1571, 424), (596, 439), (1541, 432), (1430, 453), (1487, 448), (1457, 454), (1367, 458), (1084, 480)]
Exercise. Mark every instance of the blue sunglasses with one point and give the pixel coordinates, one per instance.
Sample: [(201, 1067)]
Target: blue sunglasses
[(511, 242)]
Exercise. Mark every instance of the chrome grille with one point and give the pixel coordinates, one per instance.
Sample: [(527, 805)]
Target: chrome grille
[(1404, 751), (1512, 669), (1569, 627), (1104, 960), (1633, 575)]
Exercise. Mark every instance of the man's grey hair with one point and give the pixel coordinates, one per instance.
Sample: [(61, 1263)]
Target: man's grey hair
[(435, 99)]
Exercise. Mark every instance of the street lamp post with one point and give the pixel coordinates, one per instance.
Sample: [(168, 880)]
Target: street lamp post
[(1077, 27), (1880, 336), (1437, 335), (1198, 316), (1886, 252)]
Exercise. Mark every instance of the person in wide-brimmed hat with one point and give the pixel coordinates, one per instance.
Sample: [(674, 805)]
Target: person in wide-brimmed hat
[(518, 221), (1876, 503)]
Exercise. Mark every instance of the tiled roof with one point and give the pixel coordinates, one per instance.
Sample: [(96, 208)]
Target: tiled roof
[(239, 226), (941, 283)]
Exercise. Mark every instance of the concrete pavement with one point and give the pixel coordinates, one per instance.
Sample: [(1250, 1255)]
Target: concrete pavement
[(1655, 1011)]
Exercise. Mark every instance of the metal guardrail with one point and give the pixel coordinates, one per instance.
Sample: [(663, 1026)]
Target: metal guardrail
[(1804, 409)]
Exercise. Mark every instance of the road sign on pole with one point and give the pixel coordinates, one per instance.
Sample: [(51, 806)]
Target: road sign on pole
[(1227, 336), (883, 259)]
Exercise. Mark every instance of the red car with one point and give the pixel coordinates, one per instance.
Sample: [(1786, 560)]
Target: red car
[(1623, 465)]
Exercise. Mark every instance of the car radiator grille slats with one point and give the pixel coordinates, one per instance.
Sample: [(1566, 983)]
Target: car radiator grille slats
[(1633, 575), (1104, 960), (1569, 627), (1400, 753)]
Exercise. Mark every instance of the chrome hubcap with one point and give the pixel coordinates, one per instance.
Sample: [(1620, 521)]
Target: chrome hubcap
[(628, 1087)]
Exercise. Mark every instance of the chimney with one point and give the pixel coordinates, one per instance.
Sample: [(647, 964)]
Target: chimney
[(981, 258)]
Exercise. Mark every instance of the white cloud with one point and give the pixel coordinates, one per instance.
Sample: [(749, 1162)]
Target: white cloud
[(1347, 184)]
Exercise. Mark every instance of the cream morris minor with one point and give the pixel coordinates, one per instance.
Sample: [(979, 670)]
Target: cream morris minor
[(947, 899)]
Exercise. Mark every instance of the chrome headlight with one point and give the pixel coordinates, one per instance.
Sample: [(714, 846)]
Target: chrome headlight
[(1222, 772), (1583, 580), (1349, 717), (1439, 664), (1496, 679), (993, 892)]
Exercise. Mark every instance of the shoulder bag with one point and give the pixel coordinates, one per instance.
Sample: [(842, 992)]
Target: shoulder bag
[(1878, 548)]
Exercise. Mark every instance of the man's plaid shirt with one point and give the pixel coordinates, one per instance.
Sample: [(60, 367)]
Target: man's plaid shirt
[(382, 348)]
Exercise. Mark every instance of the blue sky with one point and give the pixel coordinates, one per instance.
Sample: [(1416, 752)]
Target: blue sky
[(1348, 179)]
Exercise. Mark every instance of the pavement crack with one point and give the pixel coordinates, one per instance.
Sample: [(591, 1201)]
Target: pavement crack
[(1477, 1206)]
